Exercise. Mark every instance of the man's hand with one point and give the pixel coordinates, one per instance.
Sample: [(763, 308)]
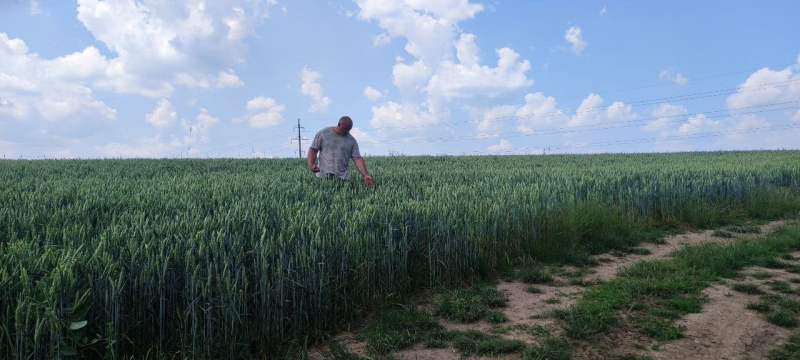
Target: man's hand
[(314, 168), (368, 180)]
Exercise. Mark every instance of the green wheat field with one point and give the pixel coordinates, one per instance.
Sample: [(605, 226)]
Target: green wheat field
[(231, 258)]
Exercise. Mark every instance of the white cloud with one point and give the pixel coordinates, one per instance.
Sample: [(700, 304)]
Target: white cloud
[(503, 146), (468, 77), (53, 94), (490, 121), (697, 124), (665, 115), (35, 9), (145, 147), (228, 79), (199, 130), (372, 94), (604, 11), (796, 116), (428, 26), (263, 112), (392, 114), (539, 112), (163, 116), (590, 112), (365, 141), (766, 86), (675, 77), (314, 90), (574, 37), (587, 113), (409, 78), (381, 39), (154, 39)]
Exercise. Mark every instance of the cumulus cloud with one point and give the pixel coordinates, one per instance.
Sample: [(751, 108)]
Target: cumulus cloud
[(263, 112), (468, 77), (372, 93), (697, 124), (392, 114), (665, 114), (145, 147), (574, 37), (489, 121), (199, 130), (410, 77), (228, 79), (381, 39), (35, 9), (590, 112), (163, 116), (314, 90), (539, 112), (153, 40), (673, 76), (766, 86), (52, 94), (428, 26), (503, 146)]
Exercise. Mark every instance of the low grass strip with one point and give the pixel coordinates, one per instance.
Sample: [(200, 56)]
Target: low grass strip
[(647, 288)]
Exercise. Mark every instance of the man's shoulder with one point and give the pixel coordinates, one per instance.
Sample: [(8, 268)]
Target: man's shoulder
[(325, 131)]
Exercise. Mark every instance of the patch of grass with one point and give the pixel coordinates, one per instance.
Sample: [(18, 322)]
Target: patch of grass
[(632, 357), (783, 318), (651, 284), (398, 330), (761, 306), (747, 288), (476, 343), (787, 257), (435, 343), (745, 229), (535, 274), (781, 287), (583, 282), (761, 275), (533, 330), (534, 290), (773, 203), (788, 351), (795, 280), (495, 317), (659, 329), (639, 251), (469, 304), (552, 348), (723, 234), (777, 264), (553, 300)]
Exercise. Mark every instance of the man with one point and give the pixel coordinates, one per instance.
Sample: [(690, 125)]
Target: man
[(337, 147)]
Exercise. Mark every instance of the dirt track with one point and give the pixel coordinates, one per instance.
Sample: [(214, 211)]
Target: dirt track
[(723, 330)]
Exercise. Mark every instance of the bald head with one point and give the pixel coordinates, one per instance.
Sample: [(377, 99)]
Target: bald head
[(344, 126)]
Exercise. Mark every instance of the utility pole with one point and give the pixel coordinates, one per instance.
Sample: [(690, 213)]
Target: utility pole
[(299, 139)]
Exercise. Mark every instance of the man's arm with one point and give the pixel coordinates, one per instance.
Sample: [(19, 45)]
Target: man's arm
[(362, 168), (312, 159)]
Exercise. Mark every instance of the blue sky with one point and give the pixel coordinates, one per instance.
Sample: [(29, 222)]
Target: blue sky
[(230, 78)]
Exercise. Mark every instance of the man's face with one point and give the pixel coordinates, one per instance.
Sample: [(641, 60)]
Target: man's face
[(344, 128)]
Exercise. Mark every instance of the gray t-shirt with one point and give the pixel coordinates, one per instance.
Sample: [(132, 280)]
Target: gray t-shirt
[(335, 152)]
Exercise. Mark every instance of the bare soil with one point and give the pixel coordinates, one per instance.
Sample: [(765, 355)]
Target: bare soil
[(724, 329)]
